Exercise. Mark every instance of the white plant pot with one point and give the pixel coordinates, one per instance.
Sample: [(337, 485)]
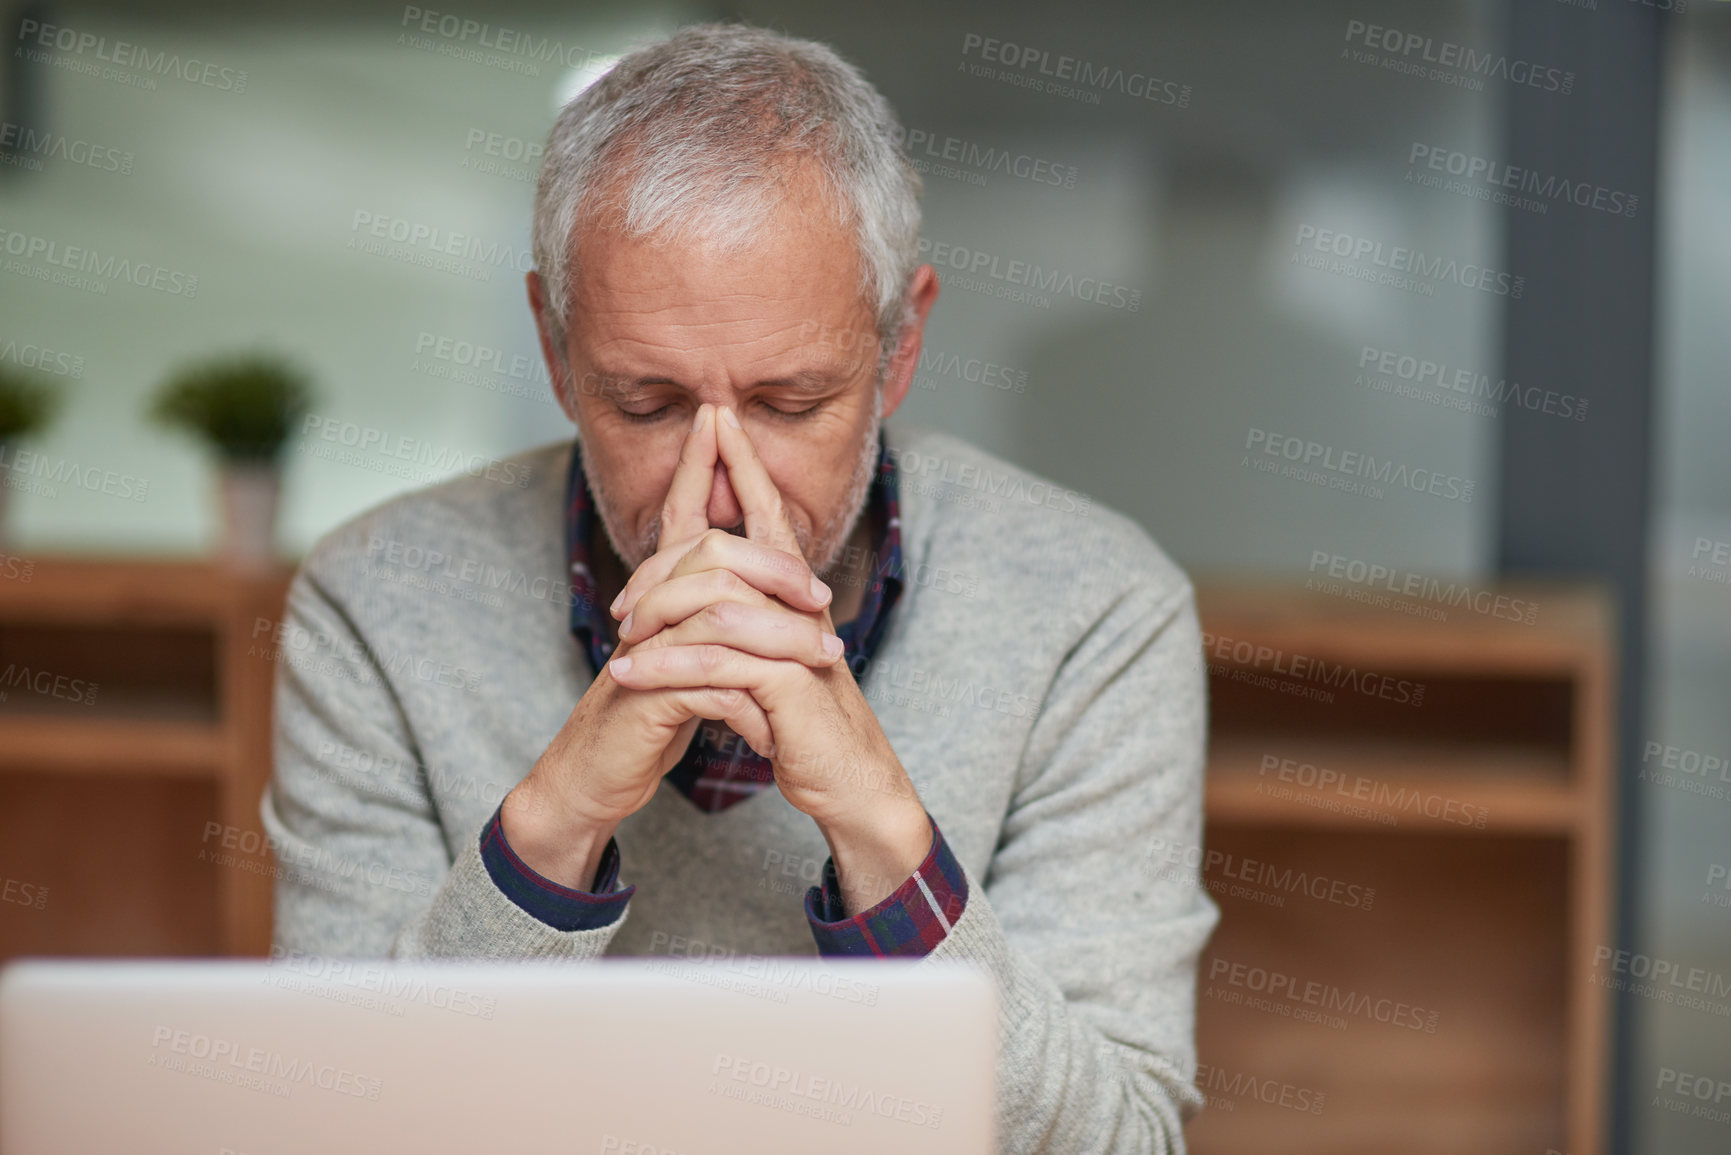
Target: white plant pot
[(249, 494)]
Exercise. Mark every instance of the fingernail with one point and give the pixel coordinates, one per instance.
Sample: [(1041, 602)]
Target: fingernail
[(728, 415), (832, 646), (617, 598), (698, 424), (625, 626), (620, 665), (819, 591)]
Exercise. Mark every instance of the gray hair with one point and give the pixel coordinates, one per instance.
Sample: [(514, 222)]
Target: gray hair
[(687, 135)]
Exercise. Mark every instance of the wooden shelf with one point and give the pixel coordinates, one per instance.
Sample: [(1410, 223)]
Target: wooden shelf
[(132, 593), (1356, 786), (107, 746), (1570, 624), (1442, 840), (106, 800)]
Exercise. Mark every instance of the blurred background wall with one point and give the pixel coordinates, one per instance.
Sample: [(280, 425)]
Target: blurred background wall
[(1269, 130)]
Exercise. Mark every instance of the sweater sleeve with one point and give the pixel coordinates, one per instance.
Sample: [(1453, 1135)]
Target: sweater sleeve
[(1094, 954), (364, 867)]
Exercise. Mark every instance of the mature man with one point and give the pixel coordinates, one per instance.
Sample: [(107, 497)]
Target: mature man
[(970, 734)]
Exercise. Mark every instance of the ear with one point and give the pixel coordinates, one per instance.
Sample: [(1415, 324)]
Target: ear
[(554, 356), (899, 376)]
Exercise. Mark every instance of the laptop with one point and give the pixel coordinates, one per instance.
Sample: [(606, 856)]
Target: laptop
[(614, 1057)]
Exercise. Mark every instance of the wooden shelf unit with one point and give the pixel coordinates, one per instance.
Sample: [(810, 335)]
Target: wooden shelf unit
[(1458, 771), (153, 722)]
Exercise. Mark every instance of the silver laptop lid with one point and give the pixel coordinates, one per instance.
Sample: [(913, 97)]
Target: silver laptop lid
[(617, 1056)]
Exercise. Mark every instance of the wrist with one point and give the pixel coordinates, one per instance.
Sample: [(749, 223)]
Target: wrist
[(562, 847), (876, 850)]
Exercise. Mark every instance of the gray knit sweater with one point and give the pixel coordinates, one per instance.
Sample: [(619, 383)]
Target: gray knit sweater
[(1040, 680)]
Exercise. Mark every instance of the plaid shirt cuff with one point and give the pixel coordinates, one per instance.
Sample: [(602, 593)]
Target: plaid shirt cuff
[(559, 907), (907, 924)]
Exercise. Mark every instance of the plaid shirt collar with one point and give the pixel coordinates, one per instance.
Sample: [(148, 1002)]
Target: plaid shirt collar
[(714, 781)]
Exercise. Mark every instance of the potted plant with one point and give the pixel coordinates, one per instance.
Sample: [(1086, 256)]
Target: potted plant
[(26, 405), (245, 408)]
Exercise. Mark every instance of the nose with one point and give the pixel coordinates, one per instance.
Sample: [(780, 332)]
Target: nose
[(724, 511)]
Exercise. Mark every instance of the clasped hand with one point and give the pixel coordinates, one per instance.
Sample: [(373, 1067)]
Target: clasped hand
[(736, 629), (715, 611)]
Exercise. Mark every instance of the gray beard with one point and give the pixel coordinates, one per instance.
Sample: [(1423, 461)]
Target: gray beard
[(820, 553)]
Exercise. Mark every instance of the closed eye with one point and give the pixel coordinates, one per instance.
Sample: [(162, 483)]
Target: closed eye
[(793, 414), (646, 418), (654, 415)]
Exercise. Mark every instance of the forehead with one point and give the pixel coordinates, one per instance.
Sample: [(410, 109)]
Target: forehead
[(795, 283)]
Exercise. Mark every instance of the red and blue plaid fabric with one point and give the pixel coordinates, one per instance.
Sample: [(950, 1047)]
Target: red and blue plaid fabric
[(559, 907), (718, 769), (907, 924)]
